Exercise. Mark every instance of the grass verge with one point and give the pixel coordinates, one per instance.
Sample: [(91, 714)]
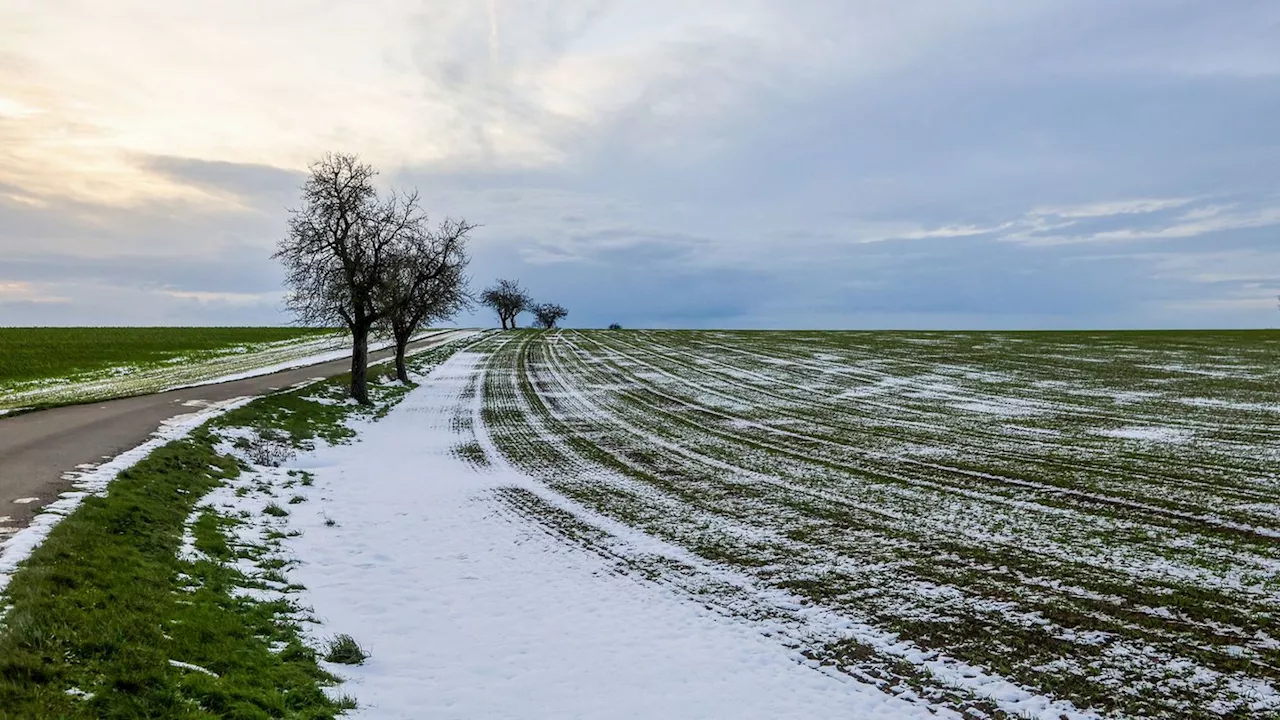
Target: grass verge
[(107, 622)]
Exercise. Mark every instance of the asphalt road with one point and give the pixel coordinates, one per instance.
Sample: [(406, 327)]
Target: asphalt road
[(38, 448)]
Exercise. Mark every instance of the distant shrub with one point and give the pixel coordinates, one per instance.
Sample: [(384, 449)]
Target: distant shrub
[(615, 326)]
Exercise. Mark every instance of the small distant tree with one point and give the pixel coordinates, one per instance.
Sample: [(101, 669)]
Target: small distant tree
[(546, 315), (508, 299), (425, 282), (337, 250), (615, 326)]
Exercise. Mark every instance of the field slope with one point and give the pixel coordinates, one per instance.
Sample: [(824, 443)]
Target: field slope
[(51, 366), (1007, 524)]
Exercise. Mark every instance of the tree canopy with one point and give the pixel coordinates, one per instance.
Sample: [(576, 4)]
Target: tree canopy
[(507, 299), (546, 315)]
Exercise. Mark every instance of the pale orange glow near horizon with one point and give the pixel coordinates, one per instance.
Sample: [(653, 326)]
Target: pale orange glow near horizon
[(90, 90), (82, 101)]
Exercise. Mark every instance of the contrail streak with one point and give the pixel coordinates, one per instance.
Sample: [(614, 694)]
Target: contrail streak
[(493, 33)]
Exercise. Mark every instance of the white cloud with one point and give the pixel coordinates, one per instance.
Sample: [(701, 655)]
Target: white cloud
[(230, 298), (1193, 223), (1236, 303), (944, 232), (27, 292), (10, 108), (1111, 208)]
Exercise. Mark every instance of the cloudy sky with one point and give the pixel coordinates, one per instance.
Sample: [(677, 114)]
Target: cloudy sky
[(661, 163)]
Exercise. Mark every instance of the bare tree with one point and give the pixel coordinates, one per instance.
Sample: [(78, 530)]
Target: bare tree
[(337, 251), (508, 299), (424, 282), (546, 315)]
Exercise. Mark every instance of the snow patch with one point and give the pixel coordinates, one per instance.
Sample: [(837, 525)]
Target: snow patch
[(1229, 405), (189, 666), (1150, 434), (1007, 407)]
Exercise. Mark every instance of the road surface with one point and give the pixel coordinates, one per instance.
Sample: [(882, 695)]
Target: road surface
[(38, 448)]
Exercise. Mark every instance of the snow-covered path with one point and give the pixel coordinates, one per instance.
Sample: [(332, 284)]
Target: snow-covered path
[(471, 612)]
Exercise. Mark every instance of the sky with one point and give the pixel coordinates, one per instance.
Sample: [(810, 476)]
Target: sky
[(914, 164)]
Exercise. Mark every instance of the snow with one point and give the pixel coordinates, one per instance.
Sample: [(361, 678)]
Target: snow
[(19, 546), (1228, 405), (189, 666), (314, 359), (1009, 407), (1150, 434), (472, 612), (1128, 397)]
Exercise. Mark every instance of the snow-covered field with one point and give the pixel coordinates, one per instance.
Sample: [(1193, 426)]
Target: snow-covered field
[(669, 524), (469, 610)]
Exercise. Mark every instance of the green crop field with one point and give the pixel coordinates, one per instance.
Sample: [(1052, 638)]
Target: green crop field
[(27, 353), (981, 520), (40, 366)]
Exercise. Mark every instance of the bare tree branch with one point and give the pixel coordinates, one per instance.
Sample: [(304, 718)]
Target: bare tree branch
[(424, 282)]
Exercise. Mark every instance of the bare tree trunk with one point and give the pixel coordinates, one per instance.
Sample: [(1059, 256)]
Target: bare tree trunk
[(360, 364), (402, 344)]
